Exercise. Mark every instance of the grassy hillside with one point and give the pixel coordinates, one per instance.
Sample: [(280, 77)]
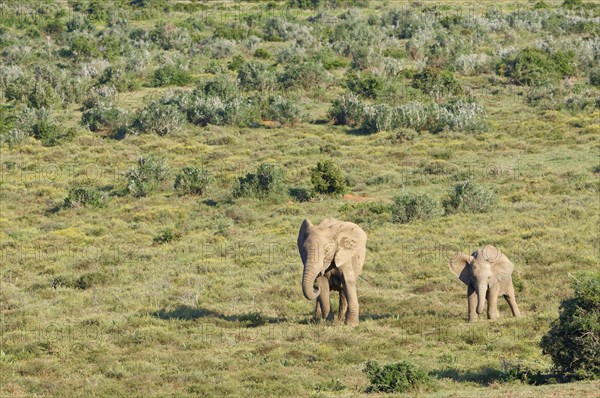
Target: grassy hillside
[(111, 293)]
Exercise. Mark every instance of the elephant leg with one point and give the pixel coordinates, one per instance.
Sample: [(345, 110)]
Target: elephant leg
[(343, 305), (472, 303), (352, 298), (492, 299), (323, 299), (510, 299)]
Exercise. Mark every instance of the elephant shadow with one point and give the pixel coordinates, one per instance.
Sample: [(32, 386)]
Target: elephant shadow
[(186, 312), (484, 376)]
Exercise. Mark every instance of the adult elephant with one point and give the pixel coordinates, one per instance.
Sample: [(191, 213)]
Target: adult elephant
[(487, 273), (333, 254)]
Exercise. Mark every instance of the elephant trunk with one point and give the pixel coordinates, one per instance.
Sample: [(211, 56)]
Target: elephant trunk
[(308, 279), (481, 293)]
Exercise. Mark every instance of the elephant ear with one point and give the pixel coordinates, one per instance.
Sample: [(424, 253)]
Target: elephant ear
[(502, 267), (502, 270), (306, 224), (349, 242), (458, 266)]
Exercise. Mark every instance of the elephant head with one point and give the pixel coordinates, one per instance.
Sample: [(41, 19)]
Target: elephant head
[(482, 270), (331, 242)]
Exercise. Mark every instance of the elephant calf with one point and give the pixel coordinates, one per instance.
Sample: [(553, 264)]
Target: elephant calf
[(487, 274), (333, 254)]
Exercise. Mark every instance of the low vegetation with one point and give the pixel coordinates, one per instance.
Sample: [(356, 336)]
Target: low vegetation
[(158, 157)]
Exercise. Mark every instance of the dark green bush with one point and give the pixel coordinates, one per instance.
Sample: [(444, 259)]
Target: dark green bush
[(366, 84), (328, 179), (595, 77), (51, 134), (573, 340), (300, 194), (262, 53), (148, 176), (330, 60), (267, 181), (409, 207), (170, 75), (572, 3), (468, 197), (81, 47), (532, 66), (193, 181), (85, 197), (398, 377), (436, 82)]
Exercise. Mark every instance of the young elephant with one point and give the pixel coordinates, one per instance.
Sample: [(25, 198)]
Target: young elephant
[(333, 254), (487, 274)]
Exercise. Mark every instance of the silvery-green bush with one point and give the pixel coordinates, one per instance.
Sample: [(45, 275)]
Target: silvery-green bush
[(347, 110), (214, 110), (159, 118), (147, 177)]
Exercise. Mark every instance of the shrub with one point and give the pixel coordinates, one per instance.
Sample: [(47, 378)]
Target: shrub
[(398, 377), (437, 83), (595, 77), (85, 197), (327, 178), (532, 66), (159, 118), (306, 76), (267, 181), (347, 110), (413, 115), (283, 111), (572, 3), (409, 207), (103, 115), (467, 197), (113, 76), (366, 84), (458, 115), (255, 76), (262, 53), (42, 95), (170, 75), (82, 46), (149, 174), (381, 117), (214, 110), (51, 134), (573, 340), (166, 236), (330, 60), (193, 181), (300, 194), (219, 86)]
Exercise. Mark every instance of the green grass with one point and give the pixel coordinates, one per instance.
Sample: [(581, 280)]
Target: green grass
[(171, 295)]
